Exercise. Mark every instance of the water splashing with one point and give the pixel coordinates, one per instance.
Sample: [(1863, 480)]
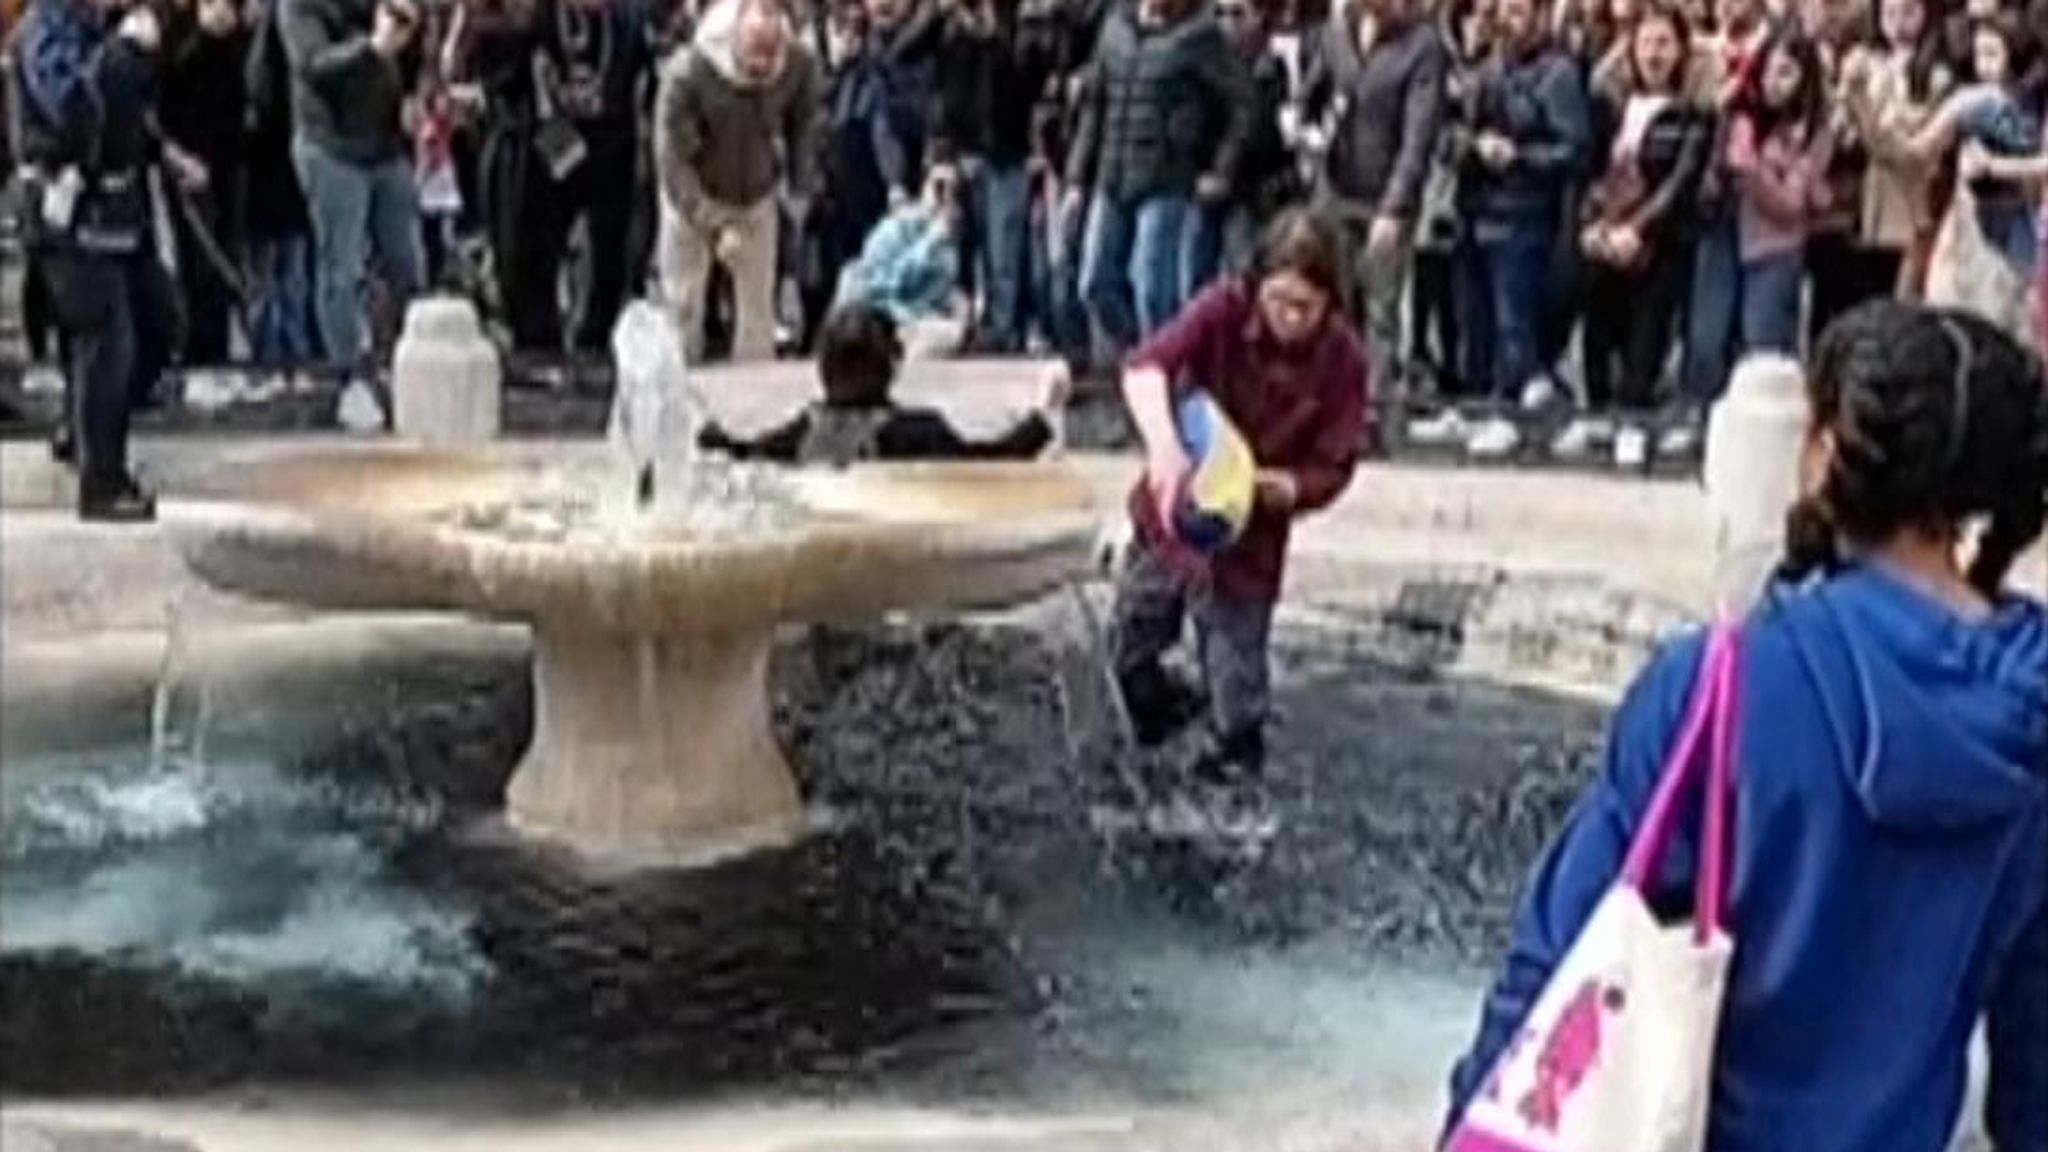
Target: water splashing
[(656, 410), (166, 736)]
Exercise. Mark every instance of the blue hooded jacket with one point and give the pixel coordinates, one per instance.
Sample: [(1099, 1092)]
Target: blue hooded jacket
[(1890, 878)]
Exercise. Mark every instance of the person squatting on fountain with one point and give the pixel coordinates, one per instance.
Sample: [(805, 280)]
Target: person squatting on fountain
[(1891, 771), (858, 357), (87, 73), (1272, 350)]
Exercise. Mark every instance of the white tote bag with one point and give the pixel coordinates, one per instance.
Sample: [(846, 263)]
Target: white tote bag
[(1618, 1053)]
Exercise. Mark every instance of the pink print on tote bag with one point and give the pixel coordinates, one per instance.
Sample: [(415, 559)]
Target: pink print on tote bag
[(1618, 1053)]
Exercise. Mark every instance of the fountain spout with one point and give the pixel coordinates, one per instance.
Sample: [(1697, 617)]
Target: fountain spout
[(656, 408)]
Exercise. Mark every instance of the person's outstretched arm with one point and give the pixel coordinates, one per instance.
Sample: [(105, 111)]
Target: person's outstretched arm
[(2016, 1106), (1584, 860), (781, 444)]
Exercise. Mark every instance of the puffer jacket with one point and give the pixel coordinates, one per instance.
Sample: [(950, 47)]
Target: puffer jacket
[(1165, 107)]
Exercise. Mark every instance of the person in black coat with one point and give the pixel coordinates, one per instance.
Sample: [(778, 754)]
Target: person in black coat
[(858, 357), (1635, 240), (204, 114)]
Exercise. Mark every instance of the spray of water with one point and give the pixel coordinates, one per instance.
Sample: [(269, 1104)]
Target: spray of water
[(167, 737), (657, 409)]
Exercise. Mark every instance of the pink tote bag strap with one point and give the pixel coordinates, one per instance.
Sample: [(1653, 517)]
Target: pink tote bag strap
[(1709, 728)]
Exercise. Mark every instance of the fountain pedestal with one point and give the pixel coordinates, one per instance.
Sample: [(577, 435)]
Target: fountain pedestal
[(654, 745)]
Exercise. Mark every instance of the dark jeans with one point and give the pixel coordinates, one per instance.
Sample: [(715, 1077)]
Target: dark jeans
[(1002, 207), (1130, 265), (1629, 320), (120, 320), (282, 327), (601, 191), (1433, 319), (1153, 603), (1506, 277), (1846, 274), (1770, 303), (1713, 309)]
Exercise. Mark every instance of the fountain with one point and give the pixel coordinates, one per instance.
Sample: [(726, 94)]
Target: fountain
[(654, 585)]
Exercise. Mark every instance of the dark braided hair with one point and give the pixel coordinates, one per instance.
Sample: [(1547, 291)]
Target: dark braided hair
[(1939, 418)]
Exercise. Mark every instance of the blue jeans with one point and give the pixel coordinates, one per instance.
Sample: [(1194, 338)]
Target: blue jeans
[(354, 209), (1506, 277), (1218, 239), (1065, 319), (1002, 206), (1770, 303), (1715, 309), (1130, 265), (281, 314)]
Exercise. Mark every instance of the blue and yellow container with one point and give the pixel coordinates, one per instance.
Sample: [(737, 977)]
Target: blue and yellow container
[(1215, 499)]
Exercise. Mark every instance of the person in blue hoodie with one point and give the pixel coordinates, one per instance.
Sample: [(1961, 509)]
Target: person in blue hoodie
[(1891, 776)]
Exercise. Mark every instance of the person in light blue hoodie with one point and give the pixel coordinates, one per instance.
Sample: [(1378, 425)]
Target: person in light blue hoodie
[(909, 266), (1892, 773)]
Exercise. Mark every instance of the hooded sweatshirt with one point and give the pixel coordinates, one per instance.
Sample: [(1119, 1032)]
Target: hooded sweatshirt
[(718, 130), (1891, 860)]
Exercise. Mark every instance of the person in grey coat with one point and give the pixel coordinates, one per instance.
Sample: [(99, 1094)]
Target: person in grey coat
[(1376, 90), (744, 91)]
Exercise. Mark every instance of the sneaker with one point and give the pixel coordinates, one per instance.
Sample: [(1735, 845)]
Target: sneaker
[(1446, 427), (43, 380), (1494, 439), (1632, 449), (209, 391), (118, 502), (1582, 437), (1679, 441), (1538, 394), (359, 410), (1241, 812)]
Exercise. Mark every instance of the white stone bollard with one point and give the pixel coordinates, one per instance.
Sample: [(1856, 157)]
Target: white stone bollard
[(447, 386), (1754, 441)]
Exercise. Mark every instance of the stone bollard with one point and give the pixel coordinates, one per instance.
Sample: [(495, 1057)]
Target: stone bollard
[(1751, 474), (447, 386)]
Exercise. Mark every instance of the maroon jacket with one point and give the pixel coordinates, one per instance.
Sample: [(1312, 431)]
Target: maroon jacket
[(1304, 409)]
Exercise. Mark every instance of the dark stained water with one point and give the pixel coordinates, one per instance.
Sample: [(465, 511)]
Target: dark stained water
[(977, 915)]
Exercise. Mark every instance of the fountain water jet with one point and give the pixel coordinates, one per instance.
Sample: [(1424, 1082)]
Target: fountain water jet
[(651, 636)]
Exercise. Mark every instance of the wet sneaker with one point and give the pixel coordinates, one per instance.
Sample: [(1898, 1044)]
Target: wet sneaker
[(1494, 439), (1446, 427), (1582, 437), (1632, 449), (1242, 812)]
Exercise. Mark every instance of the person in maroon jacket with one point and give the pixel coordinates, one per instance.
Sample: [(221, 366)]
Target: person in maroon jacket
[(1272, 350)]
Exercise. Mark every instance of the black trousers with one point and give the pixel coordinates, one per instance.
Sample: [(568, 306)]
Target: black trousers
[(1845, 274), (209, 299), (1630, 323), (119, 320), (600, 190), (1433, 322)]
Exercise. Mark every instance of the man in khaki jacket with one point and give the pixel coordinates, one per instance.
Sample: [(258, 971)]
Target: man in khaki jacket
[(742, 92)]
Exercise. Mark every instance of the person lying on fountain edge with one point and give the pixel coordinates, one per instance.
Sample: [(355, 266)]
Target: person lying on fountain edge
[(858, 356), (1271, 350)]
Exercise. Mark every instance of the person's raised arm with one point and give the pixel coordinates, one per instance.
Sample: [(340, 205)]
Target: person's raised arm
[(326, 56), (2016, 1104), (1586, 858)]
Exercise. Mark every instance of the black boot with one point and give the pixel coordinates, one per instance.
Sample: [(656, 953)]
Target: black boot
[(117, 501), (1159, 705)]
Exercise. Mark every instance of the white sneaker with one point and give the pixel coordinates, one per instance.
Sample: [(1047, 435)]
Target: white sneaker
[(1494, 439), (43, 380), (208, 391), (1680, 440), (359, 411), (1538, 394), (1582, 436), (1446, 427), (1632, 449)]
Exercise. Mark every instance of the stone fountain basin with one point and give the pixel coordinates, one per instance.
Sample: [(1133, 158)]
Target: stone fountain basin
[(358, 529), (651, 728)]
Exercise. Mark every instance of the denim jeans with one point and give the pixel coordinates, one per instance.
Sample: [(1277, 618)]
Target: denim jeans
[(1770, 303), (1218, 240), (281, 316), (1130, 265), (355, 209), (1714, 310), (1505, 276), (1002, 207), (1065, 318)]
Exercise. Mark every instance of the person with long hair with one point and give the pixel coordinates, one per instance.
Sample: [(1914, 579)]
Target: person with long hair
[(1777, 159), (1887, 90), (1272, 351), (1890, 868)]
